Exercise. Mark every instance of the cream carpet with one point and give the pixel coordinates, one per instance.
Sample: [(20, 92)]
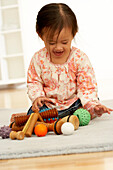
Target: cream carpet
[(95, 137)]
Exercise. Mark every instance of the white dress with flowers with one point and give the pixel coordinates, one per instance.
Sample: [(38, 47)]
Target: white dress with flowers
[(62, 83)]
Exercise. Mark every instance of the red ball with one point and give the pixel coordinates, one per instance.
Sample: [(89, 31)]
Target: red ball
[(40, 130)]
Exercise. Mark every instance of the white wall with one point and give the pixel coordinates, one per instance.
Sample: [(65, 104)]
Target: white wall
[(95, 36)]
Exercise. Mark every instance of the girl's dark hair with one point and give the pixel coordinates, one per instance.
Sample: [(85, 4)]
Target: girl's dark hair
[(55, 16)]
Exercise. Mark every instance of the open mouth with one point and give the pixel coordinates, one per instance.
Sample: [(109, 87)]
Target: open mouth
[(58, 53)]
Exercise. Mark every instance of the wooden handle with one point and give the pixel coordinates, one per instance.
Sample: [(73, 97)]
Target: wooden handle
[(75, 121), (32, 124), (16, 128), (49, 125), (72, 119), (57, 127), (27, 124)]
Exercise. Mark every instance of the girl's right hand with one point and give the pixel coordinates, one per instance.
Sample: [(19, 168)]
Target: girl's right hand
[(39, 102)]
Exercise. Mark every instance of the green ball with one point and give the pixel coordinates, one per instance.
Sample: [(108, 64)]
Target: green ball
[(83, 116)]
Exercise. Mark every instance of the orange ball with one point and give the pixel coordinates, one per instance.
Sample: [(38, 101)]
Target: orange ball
[(40, 130)]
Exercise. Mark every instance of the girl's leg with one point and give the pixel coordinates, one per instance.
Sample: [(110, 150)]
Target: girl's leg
[(61, 113), (70, 110)]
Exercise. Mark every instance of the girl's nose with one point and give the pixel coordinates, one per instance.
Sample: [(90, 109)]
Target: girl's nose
[(58, 47)]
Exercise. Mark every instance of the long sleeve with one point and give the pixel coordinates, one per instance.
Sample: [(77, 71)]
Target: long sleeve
[(34, 81), (86, 84), (65, 83)]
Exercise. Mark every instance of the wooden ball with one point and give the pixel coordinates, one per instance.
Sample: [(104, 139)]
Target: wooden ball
[(67, 128), (40, 130)]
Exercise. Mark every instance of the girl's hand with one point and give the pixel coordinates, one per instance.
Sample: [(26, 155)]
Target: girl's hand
[(39, 102), (100, 109)]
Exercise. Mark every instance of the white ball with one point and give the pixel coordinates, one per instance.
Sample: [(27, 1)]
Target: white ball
[(67, 128)]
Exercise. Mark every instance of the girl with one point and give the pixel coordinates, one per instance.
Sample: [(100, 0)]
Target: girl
[(59, 75)]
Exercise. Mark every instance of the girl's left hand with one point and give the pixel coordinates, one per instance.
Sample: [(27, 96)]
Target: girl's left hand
[(100, 109)]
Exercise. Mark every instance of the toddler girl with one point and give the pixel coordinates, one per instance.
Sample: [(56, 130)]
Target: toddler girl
[(61, 76)]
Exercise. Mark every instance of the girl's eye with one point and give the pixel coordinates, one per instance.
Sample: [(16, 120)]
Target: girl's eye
[(64, 42), (51, 43)]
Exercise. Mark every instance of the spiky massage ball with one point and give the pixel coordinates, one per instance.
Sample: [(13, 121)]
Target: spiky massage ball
[(83, 116), (5, 131)]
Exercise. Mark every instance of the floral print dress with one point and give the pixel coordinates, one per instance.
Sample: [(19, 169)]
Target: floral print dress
[(62, 83)]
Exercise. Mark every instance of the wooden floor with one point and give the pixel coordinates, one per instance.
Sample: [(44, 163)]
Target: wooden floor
[(17, 98)]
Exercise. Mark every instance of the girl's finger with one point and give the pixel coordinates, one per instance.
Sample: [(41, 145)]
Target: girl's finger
[(110, 109), (96, 108), (35, 107), (48, 100), (99, 110), (39, 103)]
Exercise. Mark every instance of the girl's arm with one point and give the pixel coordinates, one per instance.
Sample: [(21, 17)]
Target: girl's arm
[(87, 88), (35, 85), (34, 81)]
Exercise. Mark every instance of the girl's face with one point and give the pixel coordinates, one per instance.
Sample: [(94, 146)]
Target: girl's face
[(59, 46)]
